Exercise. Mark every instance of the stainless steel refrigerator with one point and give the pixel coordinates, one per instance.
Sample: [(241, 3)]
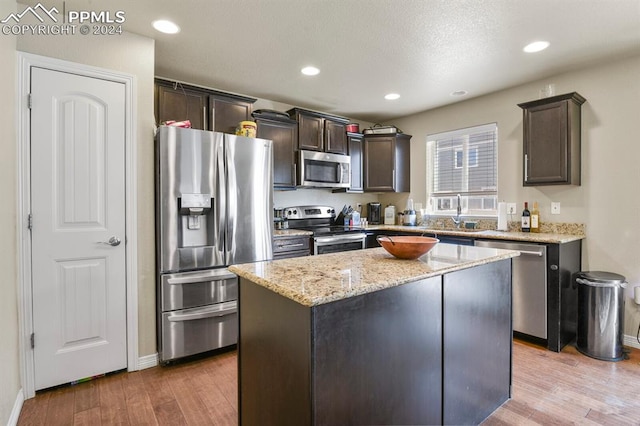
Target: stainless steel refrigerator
[(214, 208)]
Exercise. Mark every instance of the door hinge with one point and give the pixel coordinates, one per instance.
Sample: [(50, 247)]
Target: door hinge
[(33, 340), (30, 221), (29, 101)]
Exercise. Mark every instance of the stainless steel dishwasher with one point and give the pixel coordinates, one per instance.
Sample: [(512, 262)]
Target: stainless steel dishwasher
[(529, 286)]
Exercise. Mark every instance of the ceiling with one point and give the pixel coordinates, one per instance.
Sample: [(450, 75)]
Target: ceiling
[(421, 49)]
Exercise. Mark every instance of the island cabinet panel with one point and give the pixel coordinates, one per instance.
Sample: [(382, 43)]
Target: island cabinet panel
[(377, 358), (477, 344), (435, 350), (274, 359)]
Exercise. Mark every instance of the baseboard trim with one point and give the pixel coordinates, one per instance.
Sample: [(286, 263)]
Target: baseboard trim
[(631, 341), (17, 408), (147, 361)]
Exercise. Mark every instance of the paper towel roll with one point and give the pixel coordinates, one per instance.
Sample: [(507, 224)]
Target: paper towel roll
[(636, 294), (502, 217)]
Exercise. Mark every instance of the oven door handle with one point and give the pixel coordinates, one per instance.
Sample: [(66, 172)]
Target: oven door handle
[(201, 313), (339, 239)]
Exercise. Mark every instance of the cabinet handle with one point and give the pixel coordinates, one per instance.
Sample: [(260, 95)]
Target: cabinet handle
[(295, 174), (204, 118), (393, 179), (288, 246), (526, 168)]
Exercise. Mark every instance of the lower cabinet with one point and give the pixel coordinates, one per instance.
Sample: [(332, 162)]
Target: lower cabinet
[(291, 246)]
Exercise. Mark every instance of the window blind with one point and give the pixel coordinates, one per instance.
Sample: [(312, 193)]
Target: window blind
[(464, 162)]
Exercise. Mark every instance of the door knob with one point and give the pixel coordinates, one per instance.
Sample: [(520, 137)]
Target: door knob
[(113, 241)]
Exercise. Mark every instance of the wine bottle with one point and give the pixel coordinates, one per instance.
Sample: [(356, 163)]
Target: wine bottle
[(525, 224), (535, 218)]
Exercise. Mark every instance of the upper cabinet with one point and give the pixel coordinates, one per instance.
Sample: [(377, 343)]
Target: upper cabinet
[(387, 163), (552, 140), (320, 132), (283, 131), (207, 109)]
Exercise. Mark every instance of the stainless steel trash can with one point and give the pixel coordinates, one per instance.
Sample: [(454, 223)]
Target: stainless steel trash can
[(600, 314)]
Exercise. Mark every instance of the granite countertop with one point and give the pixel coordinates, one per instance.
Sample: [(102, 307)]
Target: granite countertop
[(553, 238), (315, 280), (281, 233)]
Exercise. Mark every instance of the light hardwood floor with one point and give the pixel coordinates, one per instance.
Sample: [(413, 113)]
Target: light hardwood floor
[(548, 389)]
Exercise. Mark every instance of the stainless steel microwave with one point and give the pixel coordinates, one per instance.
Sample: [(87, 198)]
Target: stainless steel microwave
[(324, 170)]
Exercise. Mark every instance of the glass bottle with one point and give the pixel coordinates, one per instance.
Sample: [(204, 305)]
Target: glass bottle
[(525, 224), (535, 218)]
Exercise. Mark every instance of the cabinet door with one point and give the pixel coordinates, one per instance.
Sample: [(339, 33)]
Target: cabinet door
[(181, 104), (335, 137), (355, 152), (284, 136), (379, 161), (227, 113), (310, 132), (546, 144)]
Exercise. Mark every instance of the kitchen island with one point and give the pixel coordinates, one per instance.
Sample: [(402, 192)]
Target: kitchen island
[(363, 338)]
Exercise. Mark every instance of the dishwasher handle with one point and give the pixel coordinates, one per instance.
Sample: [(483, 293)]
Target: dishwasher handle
[(531, 253)]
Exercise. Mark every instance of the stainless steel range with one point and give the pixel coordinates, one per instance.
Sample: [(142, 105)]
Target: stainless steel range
[(328, 236)]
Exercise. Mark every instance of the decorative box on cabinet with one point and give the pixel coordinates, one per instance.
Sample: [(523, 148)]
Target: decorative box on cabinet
[(552, 140), (320, 132), (284, 134), (387, 163), (207, 109)]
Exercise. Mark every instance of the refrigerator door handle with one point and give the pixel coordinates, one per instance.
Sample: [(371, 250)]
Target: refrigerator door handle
[(208, 312)]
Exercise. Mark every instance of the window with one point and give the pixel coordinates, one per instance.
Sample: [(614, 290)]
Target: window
[(463, 162)]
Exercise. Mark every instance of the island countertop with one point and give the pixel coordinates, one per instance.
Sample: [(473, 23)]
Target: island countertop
[(315, 280)]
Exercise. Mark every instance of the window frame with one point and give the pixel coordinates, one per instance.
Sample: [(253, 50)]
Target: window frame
[(486, 199)]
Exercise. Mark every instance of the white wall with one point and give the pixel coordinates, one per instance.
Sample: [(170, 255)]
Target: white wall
[(607, 201), (9, 354)]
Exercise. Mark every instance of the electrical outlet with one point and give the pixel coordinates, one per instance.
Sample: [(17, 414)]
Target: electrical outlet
[(359, 207), (511, 208), (555, 208)]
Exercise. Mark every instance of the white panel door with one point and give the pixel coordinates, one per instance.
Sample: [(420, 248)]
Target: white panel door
[(78, 207)]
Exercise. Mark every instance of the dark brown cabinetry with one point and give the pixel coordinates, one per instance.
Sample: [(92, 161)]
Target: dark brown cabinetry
[(386, 164), (320, 132), (552, 140), (356, 142), (207, 109), (291, 246), (284, 134)]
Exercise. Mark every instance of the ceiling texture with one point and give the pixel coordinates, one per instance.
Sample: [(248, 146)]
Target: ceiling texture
[(421, 49)]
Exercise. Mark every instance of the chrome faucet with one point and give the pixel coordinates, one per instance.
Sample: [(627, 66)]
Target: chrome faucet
[(457, 220)]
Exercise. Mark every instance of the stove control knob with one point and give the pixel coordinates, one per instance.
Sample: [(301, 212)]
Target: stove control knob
[(328, 211)]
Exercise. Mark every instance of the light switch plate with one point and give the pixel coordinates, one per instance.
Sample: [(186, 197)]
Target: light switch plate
[(511, 208), (555, 208)]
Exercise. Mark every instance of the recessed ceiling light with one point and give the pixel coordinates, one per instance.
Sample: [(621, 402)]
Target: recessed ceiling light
[(536, 46), (459, 93), (165, 26), (391, 96), (310, 71)]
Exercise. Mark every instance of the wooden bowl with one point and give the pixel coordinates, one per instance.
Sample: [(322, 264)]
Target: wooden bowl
[(407, 247)]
